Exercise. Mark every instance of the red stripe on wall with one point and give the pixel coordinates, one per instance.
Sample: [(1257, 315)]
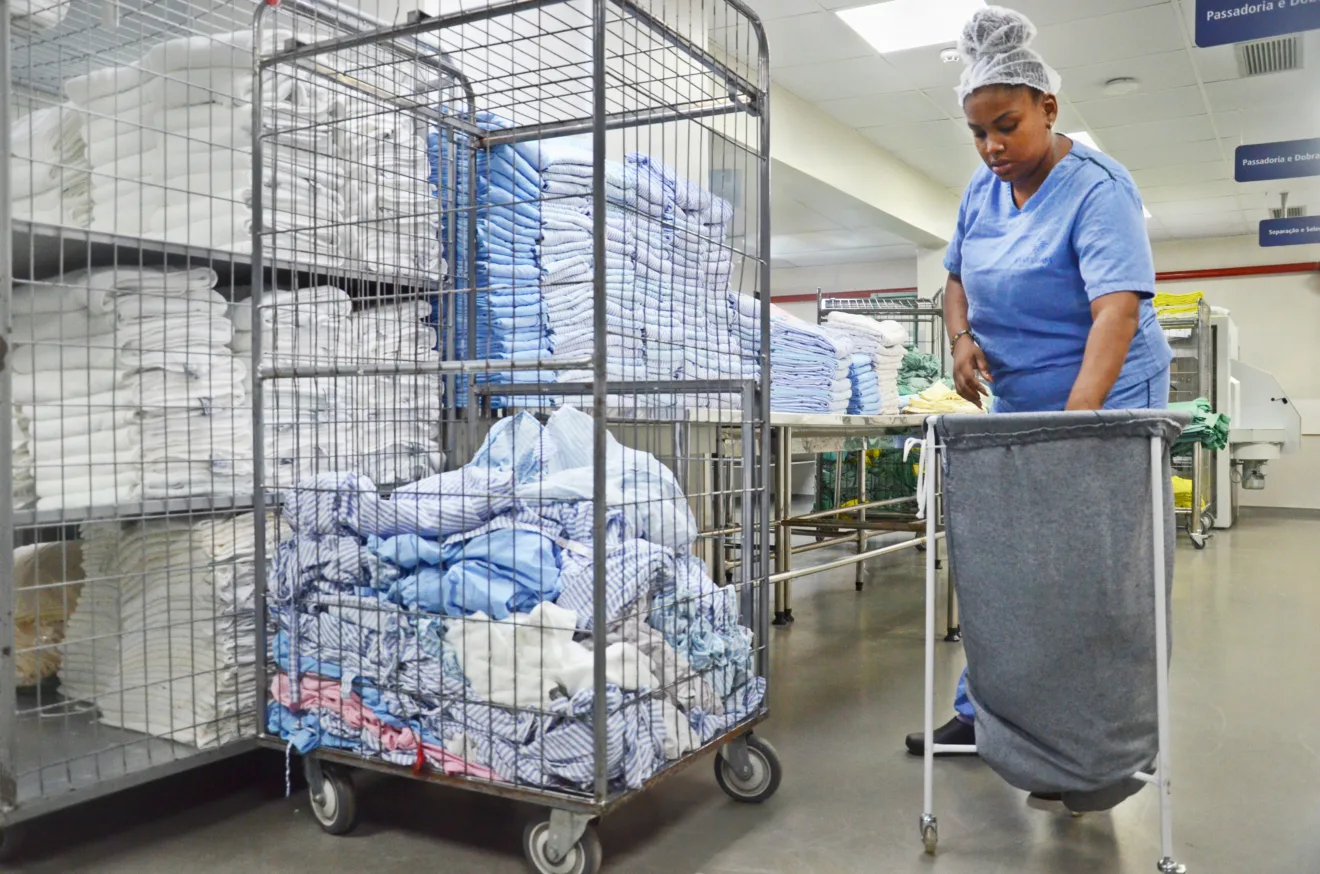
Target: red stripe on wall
[(1229, 272)]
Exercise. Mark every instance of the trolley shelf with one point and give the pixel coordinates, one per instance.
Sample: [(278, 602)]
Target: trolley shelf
[(93, 759), (202, 506)]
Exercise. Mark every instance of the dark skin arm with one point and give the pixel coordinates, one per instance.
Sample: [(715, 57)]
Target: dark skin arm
[(969, 365), (1114, 322)]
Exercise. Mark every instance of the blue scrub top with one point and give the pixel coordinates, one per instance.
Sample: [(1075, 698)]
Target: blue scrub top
[(1032, 273)]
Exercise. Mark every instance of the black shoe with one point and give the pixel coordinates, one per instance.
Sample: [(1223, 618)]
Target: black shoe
[(954, 732)]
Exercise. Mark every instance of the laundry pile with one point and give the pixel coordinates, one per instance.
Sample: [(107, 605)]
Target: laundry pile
[(865, 399), (1208, 428), (809, 365), (939, 397), (128, 388), (38, 15), (47, 583), (445, 625), (23, 489), (49, 174), (667, 272), (170, 145), (882, 342), (390, 201), (165, 645), (917, 371)]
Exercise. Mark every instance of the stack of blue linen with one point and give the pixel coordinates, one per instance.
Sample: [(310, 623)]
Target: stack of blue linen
[(808, 365), (865, 400), (511, 321)]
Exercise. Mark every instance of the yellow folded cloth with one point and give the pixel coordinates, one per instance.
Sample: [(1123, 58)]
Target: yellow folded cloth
[(1191, 298), (1182, 494), (939, 398)]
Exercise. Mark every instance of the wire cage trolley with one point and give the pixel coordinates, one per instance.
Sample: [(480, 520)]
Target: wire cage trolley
[(1192, 377), (1024, 589), (525, 614)]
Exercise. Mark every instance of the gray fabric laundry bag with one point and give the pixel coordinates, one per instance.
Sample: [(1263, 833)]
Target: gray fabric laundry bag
[(1050, 542)]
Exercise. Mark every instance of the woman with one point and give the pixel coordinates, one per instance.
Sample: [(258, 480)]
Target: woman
[(1050, 271)]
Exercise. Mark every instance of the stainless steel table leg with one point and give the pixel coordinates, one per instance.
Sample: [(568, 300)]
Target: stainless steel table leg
[(783, 531), (860, 577)]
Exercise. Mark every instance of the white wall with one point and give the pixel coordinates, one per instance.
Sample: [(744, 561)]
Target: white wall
[(1278, 318), (878, 275)]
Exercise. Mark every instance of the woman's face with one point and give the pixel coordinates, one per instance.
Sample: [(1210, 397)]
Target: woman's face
[(1012, 126)]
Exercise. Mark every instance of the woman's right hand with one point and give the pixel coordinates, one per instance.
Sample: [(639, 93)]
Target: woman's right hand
[(969, 368)]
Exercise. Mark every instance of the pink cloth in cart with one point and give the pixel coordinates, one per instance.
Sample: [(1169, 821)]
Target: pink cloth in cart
[(318, 693)]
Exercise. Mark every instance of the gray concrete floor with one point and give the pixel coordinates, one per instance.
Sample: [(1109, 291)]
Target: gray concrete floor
[(847, 687)]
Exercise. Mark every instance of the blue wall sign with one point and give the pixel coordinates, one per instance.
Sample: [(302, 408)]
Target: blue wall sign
[(1287, 160), (1222, 22), (1290, 231)]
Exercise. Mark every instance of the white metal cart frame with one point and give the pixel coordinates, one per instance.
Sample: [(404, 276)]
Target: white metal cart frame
[(1162, 778)]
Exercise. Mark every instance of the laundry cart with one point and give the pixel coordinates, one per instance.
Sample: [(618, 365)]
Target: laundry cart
[(528, 617), (1063, 583)]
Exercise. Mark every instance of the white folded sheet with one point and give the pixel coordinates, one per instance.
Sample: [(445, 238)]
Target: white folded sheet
[(232, 50), (48, 387), (98, 354), (199, 302), (102, 83), (179, 332), (69, 327)]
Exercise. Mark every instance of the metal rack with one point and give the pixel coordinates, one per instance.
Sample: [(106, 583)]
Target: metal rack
[(923, 317), (1192, 377), (555, 439)]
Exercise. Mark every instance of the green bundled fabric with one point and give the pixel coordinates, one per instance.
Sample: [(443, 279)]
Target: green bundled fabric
[(1208, 428), (887, 476), (917, 372)]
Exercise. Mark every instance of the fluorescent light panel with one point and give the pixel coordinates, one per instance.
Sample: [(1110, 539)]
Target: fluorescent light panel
[(909, 24)]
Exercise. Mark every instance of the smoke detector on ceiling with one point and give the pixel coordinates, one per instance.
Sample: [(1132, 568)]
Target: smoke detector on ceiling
[(1265, 56), (950, 56), (1121, 86)]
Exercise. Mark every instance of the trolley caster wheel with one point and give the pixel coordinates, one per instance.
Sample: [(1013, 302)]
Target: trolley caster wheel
[(762, 779), (1168, 866), (335, 807), (860, 585), (12, 839), (953, 635), (585, 857), (1198, 540), (930, 838)]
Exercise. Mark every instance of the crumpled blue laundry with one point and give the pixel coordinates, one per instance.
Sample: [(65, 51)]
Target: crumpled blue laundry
[(405, 550), (500, 572)]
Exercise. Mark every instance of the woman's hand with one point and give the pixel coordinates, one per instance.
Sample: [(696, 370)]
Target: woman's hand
[(969, 368)]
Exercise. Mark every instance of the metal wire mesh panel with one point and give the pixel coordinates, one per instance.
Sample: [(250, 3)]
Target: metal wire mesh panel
[(544, 611)]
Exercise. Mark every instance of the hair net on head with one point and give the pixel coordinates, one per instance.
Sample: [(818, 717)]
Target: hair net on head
[(996, 47)]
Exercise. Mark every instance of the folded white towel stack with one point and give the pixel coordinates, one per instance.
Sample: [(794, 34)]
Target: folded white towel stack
[(884, 341), (128, 389), (162, 637), (48, 168), (33, 16)]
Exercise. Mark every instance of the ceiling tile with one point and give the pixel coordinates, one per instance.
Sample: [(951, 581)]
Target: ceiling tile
[(780, 263), (1152, 194), (1142, 108), (810, 39), (883, 109), (1044, 13), (1169, 154), (1131, 34), (923, 68), (853, 77), (1155, 72), (947, 100), (903, 138), (1204, 172), (855, 256), (788, 216), (1206, 206), (1267, 125), (1154, 133), (1296, 89), (769, 9), (952, 167)]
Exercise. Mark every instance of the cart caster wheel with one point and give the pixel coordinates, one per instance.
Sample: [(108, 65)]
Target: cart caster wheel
[(860, 585), (335, 808), (763, 780), (1168, 866), (584, 858), (12, 838), (930, 838), (1198, 540)]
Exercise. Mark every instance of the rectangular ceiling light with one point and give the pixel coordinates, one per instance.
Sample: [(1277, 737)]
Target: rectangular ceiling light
[(909, 24)]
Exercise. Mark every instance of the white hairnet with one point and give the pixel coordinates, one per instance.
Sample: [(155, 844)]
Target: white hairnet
[(996, 47)]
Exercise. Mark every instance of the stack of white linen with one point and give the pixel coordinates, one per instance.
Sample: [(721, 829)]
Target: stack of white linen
[(391, 201), (883, 341), (38, 15), (389, 423), (809, 365), (128, 388), (24, 490), (89, 655), (49, 177), (173, 606), (305, 327)]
